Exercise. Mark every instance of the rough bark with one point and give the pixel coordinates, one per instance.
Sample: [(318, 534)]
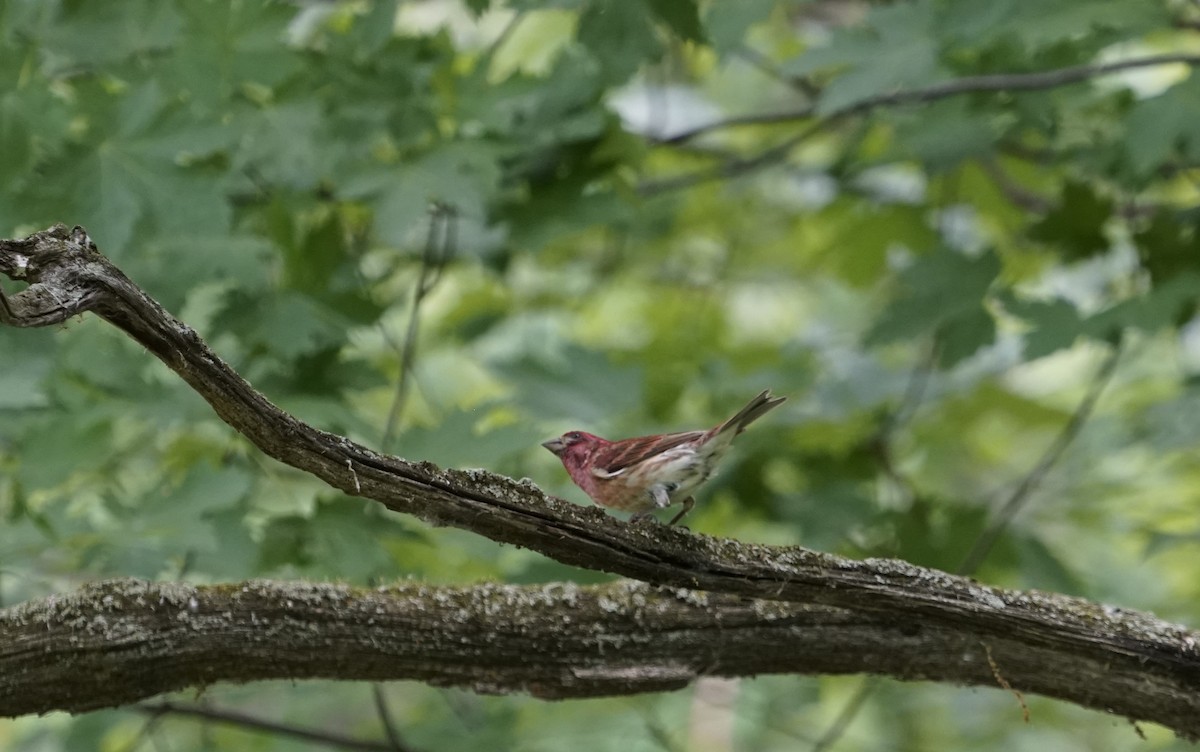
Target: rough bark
[(1128, 662), (117, 642)]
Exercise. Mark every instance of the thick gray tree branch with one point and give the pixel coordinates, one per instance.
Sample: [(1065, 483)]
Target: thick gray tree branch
[(116, 642), (1128, 662)]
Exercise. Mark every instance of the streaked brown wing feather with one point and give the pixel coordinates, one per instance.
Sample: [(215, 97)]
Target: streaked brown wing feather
[(628, 452)]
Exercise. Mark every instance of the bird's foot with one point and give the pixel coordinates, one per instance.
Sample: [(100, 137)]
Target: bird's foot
[(688, 503)]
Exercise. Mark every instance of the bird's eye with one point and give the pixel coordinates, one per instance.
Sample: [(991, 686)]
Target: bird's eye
[(573, 436)]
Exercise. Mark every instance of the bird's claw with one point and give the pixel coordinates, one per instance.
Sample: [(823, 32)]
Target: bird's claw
[(688, 503)]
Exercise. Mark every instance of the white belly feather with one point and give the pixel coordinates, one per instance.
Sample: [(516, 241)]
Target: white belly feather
[(677, 472)]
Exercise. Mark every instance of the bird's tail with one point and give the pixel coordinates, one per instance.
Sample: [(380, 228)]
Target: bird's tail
[(754, 409)]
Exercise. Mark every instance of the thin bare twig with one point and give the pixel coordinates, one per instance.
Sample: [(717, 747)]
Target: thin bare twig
[(768, 67), (918, 382), (1022, 493), (385, 717), (841, 724), (250, 723), (145, 732), (1017, 194), (439, 248), (967, 85), (1034, 202), (914, 393), (505, 34), (993, 82), (732, 168)]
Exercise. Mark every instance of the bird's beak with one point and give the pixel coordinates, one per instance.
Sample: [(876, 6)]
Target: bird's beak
[(556, 446)]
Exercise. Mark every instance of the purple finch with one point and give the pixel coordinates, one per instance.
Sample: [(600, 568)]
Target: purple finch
[(647, 473)]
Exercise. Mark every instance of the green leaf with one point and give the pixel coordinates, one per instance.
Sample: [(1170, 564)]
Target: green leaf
[(457, 441), (313, 253), (943, 134), (231, 47), (1075, 226), (462, 175), (286, 145), (681, 16), (574, 384), (88, 35), (128, 175), (33, 123), (1056, 324), (343, 539), (565, 106), (935, 532), (961, 336), (1053, 325), (541, 4), (941, 293), (895, 49), (1036, 25), (1044, 568), (45, 465), (620, 35), (852, 241), (1167, 247), (726, 23), (27, 366), (1163, 128), (1170, 425), (1169, 304), (375, 28), (203, 258), (288, 325)]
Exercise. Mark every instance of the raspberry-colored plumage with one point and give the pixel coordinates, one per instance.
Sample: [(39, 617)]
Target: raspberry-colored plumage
[(652, 472)]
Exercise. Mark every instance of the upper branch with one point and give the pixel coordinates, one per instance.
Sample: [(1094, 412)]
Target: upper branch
[(63, 266)]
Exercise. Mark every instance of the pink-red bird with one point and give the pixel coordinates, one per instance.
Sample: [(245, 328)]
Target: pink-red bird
[(647, 473)]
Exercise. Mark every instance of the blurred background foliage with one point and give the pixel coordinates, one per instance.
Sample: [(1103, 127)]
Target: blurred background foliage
[(454, 228)]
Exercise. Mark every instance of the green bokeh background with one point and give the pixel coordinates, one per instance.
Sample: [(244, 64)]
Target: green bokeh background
[(934, 286)]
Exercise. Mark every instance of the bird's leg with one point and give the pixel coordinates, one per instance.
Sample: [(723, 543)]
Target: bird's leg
[(661, 495), (661, 498), (688, 503)]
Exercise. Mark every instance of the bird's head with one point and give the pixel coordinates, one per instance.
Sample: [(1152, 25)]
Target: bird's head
[(573, 447)]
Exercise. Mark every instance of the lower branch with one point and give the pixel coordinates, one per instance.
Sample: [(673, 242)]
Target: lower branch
[(117, 642)]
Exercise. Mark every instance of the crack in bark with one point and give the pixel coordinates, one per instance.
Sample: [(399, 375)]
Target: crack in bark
[(67, 276)]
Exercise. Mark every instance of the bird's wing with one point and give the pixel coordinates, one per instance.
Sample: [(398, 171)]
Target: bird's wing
[(620, 455)]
